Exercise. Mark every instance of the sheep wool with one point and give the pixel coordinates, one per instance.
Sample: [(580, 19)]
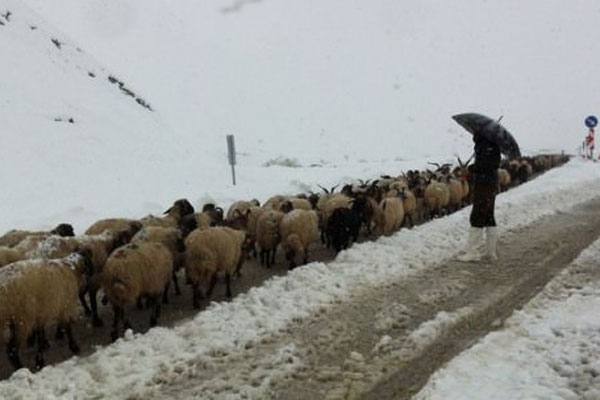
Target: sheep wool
[(9, 255), (298, 229), (136, 269), (210, 251), (393, 215), (36, 293)]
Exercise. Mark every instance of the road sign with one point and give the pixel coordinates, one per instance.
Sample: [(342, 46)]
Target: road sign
[(591, 121), (231, 155)]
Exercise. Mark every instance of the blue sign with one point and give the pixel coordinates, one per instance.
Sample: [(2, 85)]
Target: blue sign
[(591, 121)]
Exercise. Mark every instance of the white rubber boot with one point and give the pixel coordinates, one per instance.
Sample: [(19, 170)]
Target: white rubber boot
[(491, 242), (472, 252)]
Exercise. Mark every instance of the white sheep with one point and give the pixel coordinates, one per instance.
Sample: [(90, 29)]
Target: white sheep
[(436, 198), (393, 215), (298, 229), (210, 252), (142, 269), (267, 236), (37, 293), (170, 237)]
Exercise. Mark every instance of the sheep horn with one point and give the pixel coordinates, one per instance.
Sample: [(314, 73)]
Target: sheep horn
[(325, 190)]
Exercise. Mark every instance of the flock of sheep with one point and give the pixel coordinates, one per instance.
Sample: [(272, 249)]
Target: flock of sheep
[(43, 274)]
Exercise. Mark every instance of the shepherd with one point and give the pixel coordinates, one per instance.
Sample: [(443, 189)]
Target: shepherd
[(491, 139)]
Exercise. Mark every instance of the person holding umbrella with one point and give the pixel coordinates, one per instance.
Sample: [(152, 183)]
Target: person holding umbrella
[(491, 139)]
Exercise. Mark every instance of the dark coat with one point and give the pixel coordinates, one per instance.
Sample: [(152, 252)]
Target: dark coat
[(487, 161)]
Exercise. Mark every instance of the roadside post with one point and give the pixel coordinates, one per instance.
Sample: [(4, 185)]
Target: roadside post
[(231, 155), (591, 122)]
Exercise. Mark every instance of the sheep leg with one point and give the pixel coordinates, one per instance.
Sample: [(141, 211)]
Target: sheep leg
[(274, 252), (165, 295), (196, 296), (96, 320), (31, 340), (72, 344), (60, 333), (84, 304), (211, 286), (42, 343), (12, 349), (262, 257), (228, 284), (176, 284), (155, 302), (117, 311), (140, 303)]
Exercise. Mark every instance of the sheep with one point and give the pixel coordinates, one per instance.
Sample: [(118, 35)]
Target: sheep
[(142, 269), (115, 225), (240, 207), (273, 202), (267, 235), (170, 237), (393, 215), (253, 214), (503, 179), (436, 197), (9, 255), (173, 215), (298, 229), (37, 293), (100, 247), (211, 215), (208, 252), (409, 203), (14, 237), (342, 227), (456, 194), (294, 203), (325, 208)]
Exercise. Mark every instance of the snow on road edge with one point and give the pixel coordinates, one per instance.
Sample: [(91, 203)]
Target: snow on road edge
[(548, 350)]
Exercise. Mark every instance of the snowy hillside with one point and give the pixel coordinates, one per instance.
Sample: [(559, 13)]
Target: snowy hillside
[(73, 140)]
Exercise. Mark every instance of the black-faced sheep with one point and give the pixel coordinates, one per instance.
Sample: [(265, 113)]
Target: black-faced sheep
[(298, 229), (210, 252), (211, 215), (173, 215), (37, 293), (136, 270), (14, 237)]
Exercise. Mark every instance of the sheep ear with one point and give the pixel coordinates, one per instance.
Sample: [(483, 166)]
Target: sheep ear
[(168, 211)]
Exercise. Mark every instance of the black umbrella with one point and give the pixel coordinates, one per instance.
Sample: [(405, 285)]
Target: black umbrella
[(491, 130)]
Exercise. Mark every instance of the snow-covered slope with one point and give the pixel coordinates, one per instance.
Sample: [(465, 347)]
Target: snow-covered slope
[(73, 141)]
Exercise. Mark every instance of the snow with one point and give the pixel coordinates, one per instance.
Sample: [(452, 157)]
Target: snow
[(316, 94), (547, 350)]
